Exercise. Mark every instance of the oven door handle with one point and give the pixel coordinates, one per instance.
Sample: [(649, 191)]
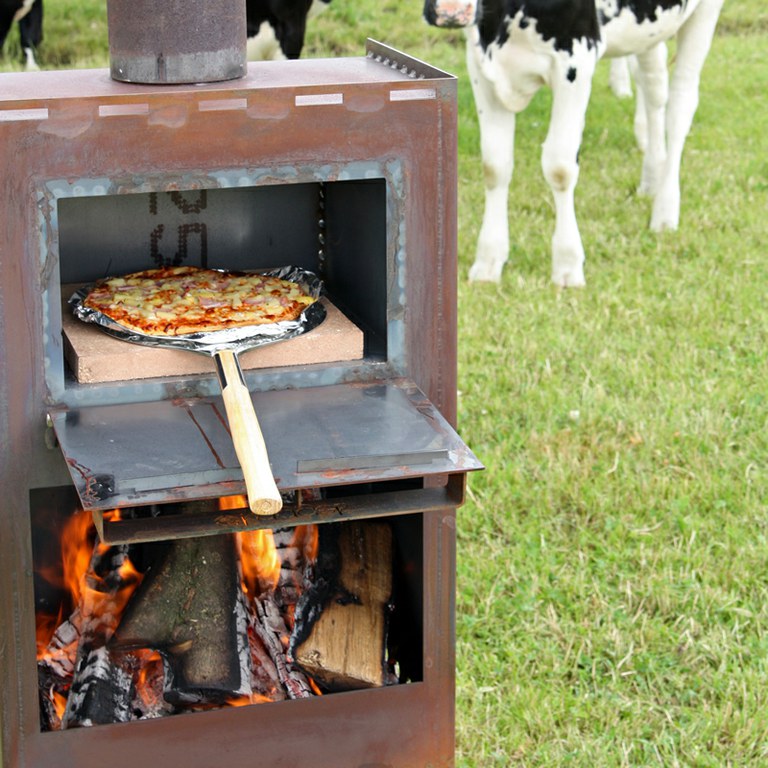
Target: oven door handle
[(263, 495)]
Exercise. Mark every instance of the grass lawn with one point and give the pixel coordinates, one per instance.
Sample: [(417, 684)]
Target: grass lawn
[(613, 558)]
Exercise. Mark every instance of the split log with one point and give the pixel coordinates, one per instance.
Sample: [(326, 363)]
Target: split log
[(187, 608), (341, 638), (101, 692)]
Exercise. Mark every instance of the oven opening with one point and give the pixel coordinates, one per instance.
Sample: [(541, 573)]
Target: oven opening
[(335, 229), (137, 631)]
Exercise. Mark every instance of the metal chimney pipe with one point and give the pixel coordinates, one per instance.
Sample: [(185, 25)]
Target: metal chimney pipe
[(176, 41)]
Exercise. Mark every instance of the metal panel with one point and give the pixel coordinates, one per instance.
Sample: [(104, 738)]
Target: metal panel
[(153, 453), (205, 518)]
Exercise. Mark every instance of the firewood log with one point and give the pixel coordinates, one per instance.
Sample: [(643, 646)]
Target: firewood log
[(187, 608), (341, 640)]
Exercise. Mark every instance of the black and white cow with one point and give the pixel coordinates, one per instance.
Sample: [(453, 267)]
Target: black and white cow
[(29, 14), (276, 28), (516, 46)]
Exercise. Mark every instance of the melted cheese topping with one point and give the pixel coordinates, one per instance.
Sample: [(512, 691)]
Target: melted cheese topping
[(173, 301)]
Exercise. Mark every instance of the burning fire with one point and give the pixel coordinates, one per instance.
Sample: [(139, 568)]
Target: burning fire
[(99, 581), (98, 601), (150, 671), (258, 554), (260, 563)]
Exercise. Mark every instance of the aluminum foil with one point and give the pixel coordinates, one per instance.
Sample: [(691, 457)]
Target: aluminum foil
[(235, 339)]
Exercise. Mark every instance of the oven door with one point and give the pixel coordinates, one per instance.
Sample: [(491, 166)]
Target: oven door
[(384, 442)]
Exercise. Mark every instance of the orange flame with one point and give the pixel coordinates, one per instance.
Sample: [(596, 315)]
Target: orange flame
[(75, 559), (87, 590), (45, 626), (59, 703), (258, 556), (244, 701), (232, 502), (151, 669), (306, 539), (76, 553)]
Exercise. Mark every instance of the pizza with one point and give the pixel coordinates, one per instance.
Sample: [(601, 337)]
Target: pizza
[(175, 301)]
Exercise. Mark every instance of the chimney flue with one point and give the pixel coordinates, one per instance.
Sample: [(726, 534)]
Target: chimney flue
[(176, 41)]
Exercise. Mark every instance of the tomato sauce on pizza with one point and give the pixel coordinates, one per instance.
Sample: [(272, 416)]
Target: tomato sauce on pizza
[(175, 301)]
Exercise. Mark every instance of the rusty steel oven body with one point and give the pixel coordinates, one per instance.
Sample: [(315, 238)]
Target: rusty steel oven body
[(346, 167)]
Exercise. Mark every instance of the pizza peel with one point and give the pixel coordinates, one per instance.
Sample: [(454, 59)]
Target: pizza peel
[(224, 346)]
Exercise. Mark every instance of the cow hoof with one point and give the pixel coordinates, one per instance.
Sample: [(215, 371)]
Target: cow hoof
[(569, 278), (664, 217), (663, 224), (481, 272)]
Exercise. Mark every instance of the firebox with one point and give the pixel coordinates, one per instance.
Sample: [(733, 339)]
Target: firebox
[(344, 655)]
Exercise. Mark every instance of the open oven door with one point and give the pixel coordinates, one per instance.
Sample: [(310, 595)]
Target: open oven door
[(384, 442)]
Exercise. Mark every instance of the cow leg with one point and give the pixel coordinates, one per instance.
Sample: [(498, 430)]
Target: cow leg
[(31, 33), (693, 42), (653, 84), (619, 77), (623, 71), (560, 164), (641, 116), (7, 13), (497, 139)]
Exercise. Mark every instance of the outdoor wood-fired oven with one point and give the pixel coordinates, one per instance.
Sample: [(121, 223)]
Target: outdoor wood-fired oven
[(345, 167)]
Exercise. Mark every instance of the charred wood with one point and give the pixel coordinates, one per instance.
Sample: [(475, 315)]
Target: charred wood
[(49, 686), (296, 552), (60, 655), (101, 691), (271, 629), (320, 584), (265, 680)]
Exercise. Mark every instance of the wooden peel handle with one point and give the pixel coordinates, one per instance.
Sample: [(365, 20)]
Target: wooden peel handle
[(263, 496)]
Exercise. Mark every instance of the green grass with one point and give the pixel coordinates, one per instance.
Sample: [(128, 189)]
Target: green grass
[(613, 558)]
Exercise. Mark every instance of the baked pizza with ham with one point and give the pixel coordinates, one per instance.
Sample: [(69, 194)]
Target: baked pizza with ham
[(176, 301)]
